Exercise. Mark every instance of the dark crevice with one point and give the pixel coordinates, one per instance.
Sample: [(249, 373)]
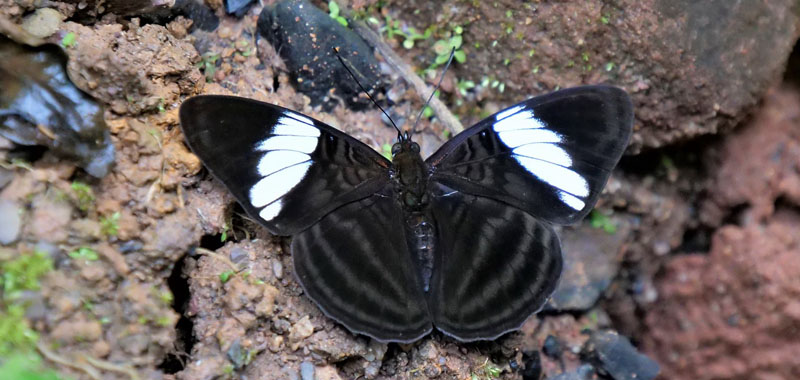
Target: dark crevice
[(792, 74), (783, 203), (696, 240), (178, 283), (212, 242), (736, 215), (687, 156)]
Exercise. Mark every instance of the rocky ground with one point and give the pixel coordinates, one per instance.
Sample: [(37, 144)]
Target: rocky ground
[(153, 272)]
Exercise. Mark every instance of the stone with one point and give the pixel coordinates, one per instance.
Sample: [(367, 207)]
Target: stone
[(614, 354), (10, 222)]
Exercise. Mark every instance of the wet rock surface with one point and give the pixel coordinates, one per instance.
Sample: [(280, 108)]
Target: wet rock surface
[(39, 105), (305, 38), (615, 356)]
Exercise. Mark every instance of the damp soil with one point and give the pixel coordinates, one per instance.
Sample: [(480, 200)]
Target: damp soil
[(158, 274)]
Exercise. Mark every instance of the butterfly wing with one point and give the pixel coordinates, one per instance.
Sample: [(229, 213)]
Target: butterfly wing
[(496, 266), (497, 187), (287, 170), (354, 263), (549, 156)]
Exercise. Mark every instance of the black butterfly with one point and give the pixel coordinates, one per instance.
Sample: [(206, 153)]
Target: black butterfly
[(461, 241)]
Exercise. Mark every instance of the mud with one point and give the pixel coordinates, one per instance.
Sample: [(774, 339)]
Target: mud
[(158, 274)]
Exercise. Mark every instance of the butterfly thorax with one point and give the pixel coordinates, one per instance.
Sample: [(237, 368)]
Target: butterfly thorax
[(410, 176)]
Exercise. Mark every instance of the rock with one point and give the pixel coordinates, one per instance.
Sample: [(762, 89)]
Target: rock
[(731, 313), (39, 105), (305, 37), (10, 222), (306, 371), (759, 163), (532, 362), (583, 372), (49, 219), (692, 68), (302, 329), (590, 263), (614, 354), (238, 7), (43, 22)]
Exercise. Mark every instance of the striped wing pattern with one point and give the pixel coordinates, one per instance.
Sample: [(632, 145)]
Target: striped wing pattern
[(355, 265), (495, 191), (285, 169), (550, 155)]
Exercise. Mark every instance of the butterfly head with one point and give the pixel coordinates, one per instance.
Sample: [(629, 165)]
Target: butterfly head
[(404, 146)]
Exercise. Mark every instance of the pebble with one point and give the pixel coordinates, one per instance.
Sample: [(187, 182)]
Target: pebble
[(306, 371), (43, 22), (614, 354), (277, 269), (10, 222)]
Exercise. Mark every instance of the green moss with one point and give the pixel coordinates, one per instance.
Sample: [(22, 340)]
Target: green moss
[(84, 253), (84, 196), (24, 272), (26, 366), (599, 220), (109, 225), (208, 64), (15, 332)]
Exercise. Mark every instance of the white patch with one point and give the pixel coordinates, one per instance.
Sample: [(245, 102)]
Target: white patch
[(277, 184), (288, 126), (270, 212), (547, 152), (519, 137), (571, 200), (521, 120), (508, 112), (557, 176), (276, 160), (303, 144)]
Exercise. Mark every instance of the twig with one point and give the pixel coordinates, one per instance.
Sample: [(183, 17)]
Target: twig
[(108, 366), (447, 118), (58, 359), (219, 257)]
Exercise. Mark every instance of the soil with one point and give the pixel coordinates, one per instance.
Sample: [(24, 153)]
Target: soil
[(699, 262)]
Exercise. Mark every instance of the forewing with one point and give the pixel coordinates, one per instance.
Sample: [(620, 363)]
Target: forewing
[(284, 168), (354, 263), (496, 266), (550, 155)]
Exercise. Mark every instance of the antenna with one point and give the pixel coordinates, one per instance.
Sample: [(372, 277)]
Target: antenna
[(452, 53), (399, 133)]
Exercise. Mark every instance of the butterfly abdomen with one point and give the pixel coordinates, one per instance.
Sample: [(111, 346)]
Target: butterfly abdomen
[(421, 238)]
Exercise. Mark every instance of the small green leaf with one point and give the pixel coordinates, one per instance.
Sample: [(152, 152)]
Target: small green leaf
[(458, 30), (225, 276), (84, 253), (333, 9), (460, 56), (68, 40), (456, 41), (342, 20), (441, 48), (427, 112), (408, 44)]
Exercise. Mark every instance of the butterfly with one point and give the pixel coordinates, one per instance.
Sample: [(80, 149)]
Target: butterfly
[(462, 241)]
